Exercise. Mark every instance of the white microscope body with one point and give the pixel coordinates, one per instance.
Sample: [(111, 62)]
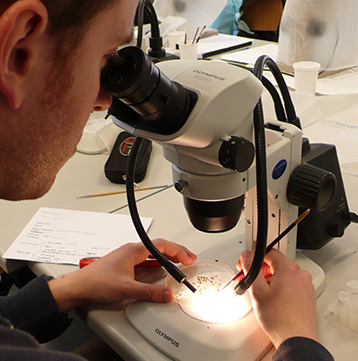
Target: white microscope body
[(225, 99), (227, 96)]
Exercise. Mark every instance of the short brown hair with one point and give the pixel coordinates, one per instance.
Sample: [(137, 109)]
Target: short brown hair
[(68, 19), (66, 14)]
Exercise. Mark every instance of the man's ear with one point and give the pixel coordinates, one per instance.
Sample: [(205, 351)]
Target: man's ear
[(21, 27)]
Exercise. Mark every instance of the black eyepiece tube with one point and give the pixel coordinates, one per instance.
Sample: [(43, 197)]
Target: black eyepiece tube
[(132, 78)]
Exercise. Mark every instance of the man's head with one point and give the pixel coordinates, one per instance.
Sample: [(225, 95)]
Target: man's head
[(51, 56)]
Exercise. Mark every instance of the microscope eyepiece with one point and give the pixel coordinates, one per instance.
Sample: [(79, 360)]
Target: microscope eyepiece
[(129, 76), (153, 101)]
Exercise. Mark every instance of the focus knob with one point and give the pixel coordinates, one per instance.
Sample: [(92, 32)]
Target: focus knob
[(236, 153), (336, 230), (311, 187)]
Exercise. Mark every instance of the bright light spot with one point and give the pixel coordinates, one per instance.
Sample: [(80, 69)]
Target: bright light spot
[(209, 303), (220, 308)]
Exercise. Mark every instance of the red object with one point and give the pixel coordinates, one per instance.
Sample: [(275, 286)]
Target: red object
[(86, 261), (148, 263)]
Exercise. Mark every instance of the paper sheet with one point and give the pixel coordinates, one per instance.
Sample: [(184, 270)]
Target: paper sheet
[(340, 129), (327, 119), (65, 236), (344, 82), (249, 56)]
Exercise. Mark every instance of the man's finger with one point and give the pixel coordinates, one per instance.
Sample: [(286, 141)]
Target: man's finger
[(151, 292)]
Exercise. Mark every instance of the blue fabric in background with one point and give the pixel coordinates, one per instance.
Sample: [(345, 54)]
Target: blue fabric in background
[(228, 21)]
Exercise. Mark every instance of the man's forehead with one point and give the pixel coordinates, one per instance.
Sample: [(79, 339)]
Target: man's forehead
[(125, 39), (121, 30)]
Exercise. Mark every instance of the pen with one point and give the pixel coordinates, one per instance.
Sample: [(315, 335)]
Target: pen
[(274, 242), (241, 49), (148, 263), (224, 50)]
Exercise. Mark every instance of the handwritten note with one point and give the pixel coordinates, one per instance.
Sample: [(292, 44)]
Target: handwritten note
[(65, 236)]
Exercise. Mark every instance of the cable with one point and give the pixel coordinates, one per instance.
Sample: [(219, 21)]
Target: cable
[(150, 11), (289, 107), (141, 7), (261, 176), (156, 49), (174, 271), (279, 110), (262, 202)]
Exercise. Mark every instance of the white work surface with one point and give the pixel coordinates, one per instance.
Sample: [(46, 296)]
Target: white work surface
[(84, 174)]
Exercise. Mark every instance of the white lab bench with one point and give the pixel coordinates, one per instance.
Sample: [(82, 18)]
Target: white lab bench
[(84, 174)]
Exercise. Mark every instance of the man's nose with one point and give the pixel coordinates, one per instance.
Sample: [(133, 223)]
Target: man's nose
[(103, 101)]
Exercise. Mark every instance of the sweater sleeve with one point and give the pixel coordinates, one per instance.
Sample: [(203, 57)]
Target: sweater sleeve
[(17, 345), (301, 348), (34, 310)]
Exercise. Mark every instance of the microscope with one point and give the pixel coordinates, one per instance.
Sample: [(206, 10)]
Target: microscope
[(208, 117)]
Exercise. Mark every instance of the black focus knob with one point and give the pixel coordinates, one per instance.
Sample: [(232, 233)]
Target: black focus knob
[(236, 153), (311, 187), (336, 230)]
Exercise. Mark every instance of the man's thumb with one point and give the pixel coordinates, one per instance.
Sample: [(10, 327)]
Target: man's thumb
[(155, 293)]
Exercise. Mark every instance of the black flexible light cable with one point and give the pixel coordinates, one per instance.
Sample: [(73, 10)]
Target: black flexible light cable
[(262, 203), (155, 41), (258, 71), (140, 10), (150, 11), (261, 172), (279, 109), (174, 271)]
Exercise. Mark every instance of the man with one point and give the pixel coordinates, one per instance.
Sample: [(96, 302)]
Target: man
[(51, 56), (51, 60)]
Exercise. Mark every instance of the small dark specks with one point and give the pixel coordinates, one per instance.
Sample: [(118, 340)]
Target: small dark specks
[(240, 241), (316, 28), (216, 260), (208, 328)]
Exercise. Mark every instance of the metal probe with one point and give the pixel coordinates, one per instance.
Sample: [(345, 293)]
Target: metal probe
[(273, 243)]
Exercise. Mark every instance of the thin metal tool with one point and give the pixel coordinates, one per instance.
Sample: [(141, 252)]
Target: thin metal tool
[(145, 197), (274, 242), (120, 192)]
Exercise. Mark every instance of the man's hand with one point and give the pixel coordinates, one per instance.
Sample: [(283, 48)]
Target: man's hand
[(111, 278), (283, 297)]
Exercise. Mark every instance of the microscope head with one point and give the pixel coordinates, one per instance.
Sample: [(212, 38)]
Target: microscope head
[(201, 113)]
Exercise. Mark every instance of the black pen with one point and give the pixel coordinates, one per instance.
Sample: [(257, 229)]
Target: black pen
[(224, 50)]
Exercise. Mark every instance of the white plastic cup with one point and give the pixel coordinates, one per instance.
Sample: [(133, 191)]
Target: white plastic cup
[(353, 290), (306, 74), (175, 37), (188, 51)]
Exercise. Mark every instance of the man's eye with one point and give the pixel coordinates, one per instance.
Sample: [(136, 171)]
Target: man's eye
[(105, 59)]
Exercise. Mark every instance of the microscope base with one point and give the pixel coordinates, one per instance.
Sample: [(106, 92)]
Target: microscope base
[(318, 277), (181, 337)]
